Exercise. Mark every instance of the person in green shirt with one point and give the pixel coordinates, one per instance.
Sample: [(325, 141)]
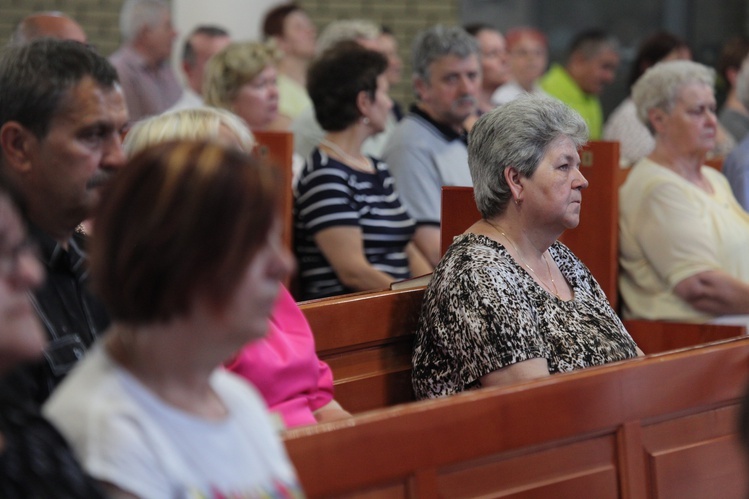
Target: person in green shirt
[(590, 66)]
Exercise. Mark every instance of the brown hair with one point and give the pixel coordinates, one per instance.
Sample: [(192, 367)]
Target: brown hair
[(183, 219), (275, 18)]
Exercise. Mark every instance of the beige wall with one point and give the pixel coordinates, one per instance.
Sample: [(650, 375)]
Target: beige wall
[(405, 18)]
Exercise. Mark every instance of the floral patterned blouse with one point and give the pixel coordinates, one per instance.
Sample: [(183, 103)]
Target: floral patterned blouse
[(482, 312)]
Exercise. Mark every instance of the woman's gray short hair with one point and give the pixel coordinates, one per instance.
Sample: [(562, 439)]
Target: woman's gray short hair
[(516, 134), (660, 85), (439, 41), (137, 14)]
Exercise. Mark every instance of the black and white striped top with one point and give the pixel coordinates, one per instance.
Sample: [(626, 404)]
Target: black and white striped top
[(331, 194)]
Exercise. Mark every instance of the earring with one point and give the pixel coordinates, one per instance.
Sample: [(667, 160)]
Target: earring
[(365, 120)]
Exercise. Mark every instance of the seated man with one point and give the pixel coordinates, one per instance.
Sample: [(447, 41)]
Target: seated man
[(49, 24), (202, 43), (60, 128), (590, 66), (427, 149), (145, 72)]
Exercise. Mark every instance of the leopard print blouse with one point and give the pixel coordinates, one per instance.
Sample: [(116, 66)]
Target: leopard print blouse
[(482, 311)]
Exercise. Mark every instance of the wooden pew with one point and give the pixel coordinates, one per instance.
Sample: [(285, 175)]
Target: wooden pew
[(366, 339), (595, 240), (277, 149), (660, 336), (660, 426)]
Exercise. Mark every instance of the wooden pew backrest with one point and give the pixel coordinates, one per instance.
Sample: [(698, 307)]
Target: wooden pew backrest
[(277, 149), (661, 426), (595, 241), (366, 339), (657, 336)]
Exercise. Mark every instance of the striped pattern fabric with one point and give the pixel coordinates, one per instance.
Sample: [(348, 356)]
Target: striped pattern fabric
[(331, 194)]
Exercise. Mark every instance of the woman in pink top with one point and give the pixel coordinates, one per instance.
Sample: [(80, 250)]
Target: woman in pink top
[(285, 369), (283, 366)]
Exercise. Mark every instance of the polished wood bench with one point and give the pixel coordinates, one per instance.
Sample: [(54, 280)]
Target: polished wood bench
[(367, 339), (659, 426)]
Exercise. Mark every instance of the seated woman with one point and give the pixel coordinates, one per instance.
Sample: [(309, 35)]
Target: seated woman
[(527, 56), (149, 411), (352, 233), (35, 461), (508, 302), (623, 126), (242, 78), (283, 366), (682, 235)]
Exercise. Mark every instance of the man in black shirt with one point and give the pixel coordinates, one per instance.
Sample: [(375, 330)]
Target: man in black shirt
[(62, 114)]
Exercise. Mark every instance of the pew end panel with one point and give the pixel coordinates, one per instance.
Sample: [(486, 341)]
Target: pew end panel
[(277, 149), (660, 426), (366, 339)]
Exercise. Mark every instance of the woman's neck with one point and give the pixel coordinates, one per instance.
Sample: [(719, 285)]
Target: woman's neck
[(173, 360), (688, 166), (345, 146), (294, 68)]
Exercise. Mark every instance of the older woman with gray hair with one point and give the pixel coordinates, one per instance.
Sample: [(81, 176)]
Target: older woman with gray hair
[(683, 236), (508, 302)]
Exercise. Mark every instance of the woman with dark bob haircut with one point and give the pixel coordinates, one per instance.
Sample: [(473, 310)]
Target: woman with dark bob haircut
[(352, 232), (188, 259), (508, 302)]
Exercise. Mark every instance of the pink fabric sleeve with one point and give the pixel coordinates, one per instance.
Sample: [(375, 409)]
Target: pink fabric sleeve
[(284, 367)]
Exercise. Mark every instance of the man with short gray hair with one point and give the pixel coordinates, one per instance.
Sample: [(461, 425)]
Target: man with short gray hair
[(143, 60), (427, 150)]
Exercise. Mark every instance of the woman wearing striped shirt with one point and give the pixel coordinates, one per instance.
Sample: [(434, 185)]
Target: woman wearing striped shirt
[(352, 233)]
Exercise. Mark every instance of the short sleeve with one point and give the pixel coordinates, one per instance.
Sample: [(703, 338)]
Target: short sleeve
[(675, 236), (117, 451), (324, 200), (476, 319)]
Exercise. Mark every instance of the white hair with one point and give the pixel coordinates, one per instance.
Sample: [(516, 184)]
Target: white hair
[(137, 14)]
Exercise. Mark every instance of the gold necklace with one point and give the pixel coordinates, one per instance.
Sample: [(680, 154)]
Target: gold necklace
[(357, 163), (554, 291)]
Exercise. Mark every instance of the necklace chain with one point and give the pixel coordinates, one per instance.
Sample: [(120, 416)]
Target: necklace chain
[(358, 163), (553, 288)]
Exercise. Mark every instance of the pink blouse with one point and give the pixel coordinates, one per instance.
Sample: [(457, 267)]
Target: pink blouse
[(284, 367)]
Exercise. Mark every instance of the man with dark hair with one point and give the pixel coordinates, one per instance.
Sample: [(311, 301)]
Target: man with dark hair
[(201, 44), (591, 65), (427, 148), (289, 27), (62, 114)]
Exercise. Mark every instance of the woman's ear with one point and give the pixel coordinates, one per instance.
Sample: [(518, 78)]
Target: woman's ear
[(656, 117), (363, 103), (515, 182)]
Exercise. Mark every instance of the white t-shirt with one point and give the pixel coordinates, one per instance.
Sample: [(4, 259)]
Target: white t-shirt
[(125, 435)]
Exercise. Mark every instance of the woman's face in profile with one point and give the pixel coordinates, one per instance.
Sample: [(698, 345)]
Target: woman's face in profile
[(247, 312), (381, 105), (552, 196), (257, 101), (528, 59), (21, 334), (692, 124)]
